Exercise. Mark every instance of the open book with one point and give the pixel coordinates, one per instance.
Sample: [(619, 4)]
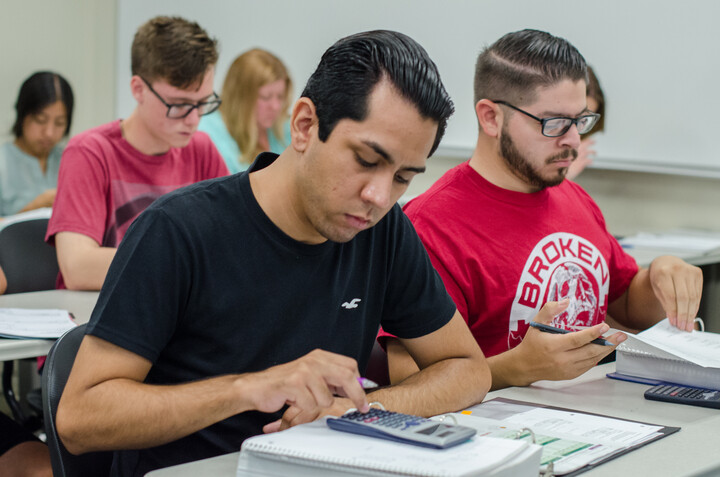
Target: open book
[(29, 323), (664, 353), (315, 450)]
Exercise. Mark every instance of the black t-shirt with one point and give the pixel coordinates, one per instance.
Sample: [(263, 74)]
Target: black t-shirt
[(204, 284)]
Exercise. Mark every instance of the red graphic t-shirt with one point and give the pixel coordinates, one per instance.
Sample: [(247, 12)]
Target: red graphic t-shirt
[(104, 183), (503, 254)]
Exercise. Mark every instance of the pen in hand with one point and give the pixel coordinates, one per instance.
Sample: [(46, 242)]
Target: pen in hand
[(560, 331)]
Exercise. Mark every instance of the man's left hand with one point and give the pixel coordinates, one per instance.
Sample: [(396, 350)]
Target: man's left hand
[(678, 287), (294, 416)]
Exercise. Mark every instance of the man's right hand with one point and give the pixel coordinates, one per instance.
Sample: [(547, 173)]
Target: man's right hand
[(308, 384), (550, 356)]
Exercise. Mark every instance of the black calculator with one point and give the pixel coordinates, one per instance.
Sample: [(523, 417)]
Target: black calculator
[(684, 395), (403, 428)]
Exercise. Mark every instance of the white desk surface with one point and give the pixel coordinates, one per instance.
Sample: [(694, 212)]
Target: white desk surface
[(79, 303), (689, 452)]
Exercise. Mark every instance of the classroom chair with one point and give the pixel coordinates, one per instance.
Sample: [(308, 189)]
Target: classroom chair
[(29, 264), (59, 362)]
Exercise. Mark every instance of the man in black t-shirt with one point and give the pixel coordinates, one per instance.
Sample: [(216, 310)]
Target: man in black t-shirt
[(247, 304)]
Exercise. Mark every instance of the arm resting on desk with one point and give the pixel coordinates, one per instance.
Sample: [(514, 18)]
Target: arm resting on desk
[(83, 262), (453, 375), (538, 356), (106, 405), (669, 287)]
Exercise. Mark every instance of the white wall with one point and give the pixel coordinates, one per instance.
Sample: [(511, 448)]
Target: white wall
[(75, 38), (78, 38)]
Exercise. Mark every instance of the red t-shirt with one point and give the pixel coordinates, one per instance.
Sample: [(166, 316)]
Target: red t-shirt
[(503, 254), (104, 183)]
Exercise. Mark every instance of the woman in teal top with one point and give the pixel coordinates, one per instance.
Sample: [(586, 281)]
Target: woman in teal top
[(253, 116), (29, 164)]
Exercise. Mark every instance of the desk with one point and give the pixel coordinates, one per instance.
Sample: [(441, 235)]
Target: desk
[(690, 452), (79, 303)]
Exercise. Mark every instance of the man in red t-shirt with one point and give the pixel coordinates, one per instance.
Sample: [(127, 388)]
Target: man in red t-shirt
[(111, 173), (510, 237)]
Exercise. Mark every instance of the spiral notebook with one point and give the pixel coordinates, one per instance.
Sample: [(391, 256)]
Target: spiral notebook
[(314, 449)]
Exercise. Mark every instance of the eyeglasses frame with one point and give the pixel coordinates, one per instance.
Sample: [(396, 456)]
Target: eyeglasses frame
[(197, 106), (543, 121)]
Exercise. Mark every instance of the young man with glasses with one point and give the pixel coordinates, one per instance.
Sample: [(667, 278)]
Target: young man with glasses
[(510, 237), (111, 173)]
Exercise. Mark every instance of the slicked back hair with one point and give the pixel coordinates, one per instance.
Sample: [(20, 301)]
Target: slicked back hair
[(341, 85), (173, 49), (512, 68)]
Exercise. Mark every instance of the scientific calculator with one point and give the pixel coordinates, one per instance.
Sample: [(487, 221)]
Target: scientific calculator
[(684, 395), (403, 428)]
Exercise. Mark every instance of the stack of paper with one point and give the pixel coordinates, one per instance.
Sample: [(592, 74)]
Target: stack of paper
[(25, 323)]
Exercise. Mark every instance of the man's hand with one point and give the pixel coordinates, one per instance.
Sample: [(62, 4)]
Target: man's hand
[(678, 287), (294, 415), (308, 385), (555, 356)]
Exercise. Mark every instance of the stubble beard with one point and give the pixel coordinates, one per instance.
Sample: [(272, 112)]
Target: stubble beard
[(521, 167)]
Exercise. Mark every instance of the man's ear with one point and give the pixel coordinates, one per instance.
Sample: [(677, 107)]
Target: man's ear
[(137, 86), (303, 124), (490, 117)]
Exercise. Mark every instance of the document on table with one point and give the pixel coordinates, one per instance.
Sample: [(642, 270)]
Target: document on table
[(571, 440), (701, 348), (32, 324)]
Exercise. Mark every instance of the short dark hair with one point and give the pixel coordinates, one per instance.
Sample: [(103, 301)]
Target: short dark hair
[(512, 68), (42, 89), (349, 70), (173, 49), (595, 92)]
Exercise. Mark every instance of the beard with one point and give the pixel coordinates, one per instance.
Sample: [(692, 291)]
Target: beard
[(524, 169)]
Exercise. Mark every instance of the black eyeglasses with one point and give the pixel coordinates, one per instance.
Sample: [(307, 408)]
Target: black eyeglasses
[(556, 127), (179, 111)]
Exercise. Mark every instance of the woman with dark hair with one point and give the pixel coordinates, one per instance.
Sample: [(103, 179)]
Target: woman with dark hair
[(29, 164)]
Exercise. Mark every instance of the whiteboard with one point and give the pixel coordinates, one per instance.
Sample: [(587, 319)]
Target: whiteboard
[(658, 61)]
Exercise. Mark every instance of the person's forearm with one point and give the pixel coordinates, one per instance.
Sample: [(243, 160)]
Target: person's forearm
[(45, 199), (87, 270), (446, 386), (640, 309), (124, 414)]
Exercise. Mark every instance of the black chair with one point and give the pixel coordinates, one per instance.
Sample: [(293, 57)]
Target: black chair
[(59, 362), (29, 264)]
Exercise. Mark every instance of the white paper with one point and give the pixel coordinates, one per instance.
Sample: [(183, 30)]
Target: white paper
[(571, 440), (698, 242), (28, 323), (699, 347)]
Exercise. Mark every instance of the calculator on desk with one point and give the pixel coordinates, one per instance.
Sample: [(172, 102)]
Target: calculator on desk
[(403, 428), (684, 395)]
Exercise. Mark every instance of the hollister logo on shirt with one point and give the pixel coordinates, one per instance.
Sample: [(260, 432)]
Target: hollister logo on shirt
[(562, 265)]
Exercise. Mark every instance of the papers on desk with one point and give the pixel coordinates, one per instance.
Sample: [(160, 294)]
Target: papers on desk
[(667, 354), (684, 241), (571, 440), (32, 324), (313, 449), (41, 213)]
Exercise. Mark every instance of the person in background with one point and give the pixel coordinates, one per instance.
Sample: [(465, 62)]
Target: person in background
[(111, 173), (185, 355), (595, 104), (29, 164), (21, 453), (511, 237), (253, 116)]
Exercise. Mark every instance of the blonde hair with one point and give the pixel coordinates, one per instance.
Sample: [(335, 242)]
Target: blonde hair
[(249, 72)]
